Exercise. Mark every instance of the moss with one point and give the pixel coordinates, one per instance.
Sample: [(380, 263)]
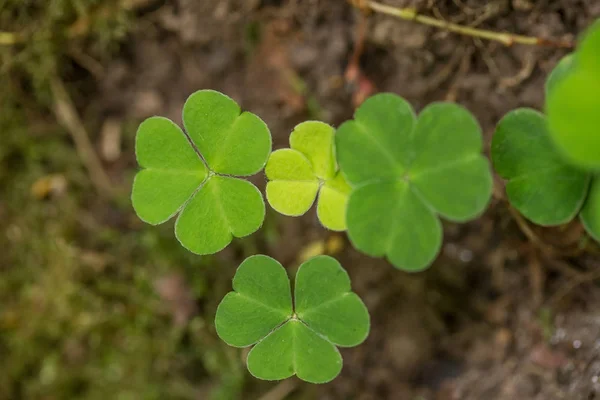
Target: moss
[(80, 315), (45, 33)]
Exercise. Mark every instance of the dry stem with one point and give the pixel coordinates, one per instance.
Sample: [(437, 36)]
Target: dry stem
[(411, 14)]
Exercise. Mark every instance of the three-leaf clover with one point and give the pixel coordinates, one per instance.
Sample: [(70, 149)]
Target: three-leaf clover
[(544, 187), (307, 169), (292, 338), (213, 205), (573, 103), (407, 171)]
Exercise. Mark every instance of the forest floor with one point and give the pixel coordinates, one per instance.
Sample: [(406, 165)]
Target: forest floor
[(94, 304)]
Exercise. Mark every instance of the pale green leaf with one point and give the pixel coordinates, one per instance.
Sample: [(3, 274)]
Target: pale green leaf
[(260, 302), (314, 139), (222, 209), (308, 168), (562, 69), (231, 142), (292, 186), (587, 51), (333, 203), (573, 105)]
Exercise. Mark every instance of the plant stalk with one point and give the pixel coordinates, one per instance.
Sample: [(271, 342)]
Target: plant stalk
[(411, 14)]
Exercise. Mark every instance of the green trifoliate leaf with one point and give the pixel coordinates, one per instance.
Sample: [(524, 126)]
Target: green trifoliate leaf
[(300, 341), (590, 214), (573, 105), (307, 169), (260, 302), (541, 185), (212, 208), (405, 171)]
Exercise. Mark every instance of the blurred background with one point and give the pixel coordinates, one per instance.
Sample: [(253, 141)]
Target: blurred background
[(94, 304)]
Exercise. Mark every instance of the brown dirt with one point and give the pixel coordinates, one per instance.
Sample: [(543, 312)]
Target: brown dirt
[(485, 322)]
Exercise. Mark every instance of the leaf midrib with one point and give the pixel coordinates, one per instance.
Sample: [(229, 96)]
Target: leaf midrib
[(198, 171), (438, 168), (226, 134), (216, 194), (546, 171), (316, 180), (325, 303), (269, 307), (399, 168)]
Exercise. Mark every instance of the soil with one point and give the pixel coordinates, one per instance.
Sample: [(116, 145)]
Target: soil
[(502, 314)]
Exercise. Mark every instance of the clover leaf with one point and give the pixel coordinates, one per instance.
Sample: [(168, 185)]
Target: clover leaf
[(572, 104), (407, 171), (562, 69), (296, 175), (590, 213), (541, 185), (213, 205), (298, 338)]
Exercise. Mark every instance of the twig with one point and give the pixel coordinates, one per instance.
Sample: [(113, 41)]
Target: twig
[(463, 69), (548, 251), (572, 285), (353, 69), (411, 14), (435, 81), (92, 65), (524, 73), (67, 116), (537, 278), (528, 232)]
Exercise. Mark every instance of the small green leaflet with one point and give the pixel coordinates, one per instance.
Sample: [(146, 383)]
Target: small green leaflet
[(573, 103), (292, 338), (540, 184), (213, 205), (405, 172), (307, 169)]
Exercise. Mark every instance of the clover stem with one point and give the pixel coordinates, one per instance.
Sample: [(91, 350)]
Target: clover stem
[(411, 14)]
